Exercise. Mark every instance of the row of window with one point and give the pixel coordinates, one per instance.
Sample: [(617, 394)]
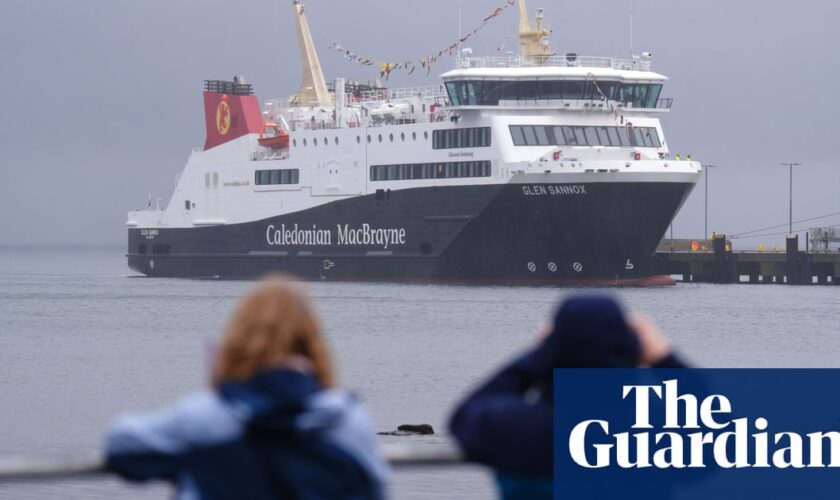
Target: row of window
[(285, 176), (478, 137), (539, 135), (440, 170), (326, 141), (489, 93)]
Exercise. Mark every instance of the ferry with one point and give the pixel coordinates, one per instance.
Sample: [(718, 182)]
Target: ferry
[(533, 168)]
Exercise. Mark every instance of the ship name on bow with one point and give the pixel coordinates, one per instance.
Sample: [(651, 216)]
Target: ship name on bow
[(554, 190)]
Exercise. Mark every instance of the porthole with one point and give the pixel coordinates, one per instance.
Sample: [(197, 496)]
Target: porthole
[(368, 139), (414, 136), (358, 139), (294, 143), (336, 140), (304, 143), (402, 136), (426, 135), (391, 137), (326, 141), (380, 137), (315, 141)]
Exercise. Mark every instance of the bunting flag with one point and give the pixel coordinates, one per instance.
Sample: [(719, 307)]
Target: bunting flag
[(385, 68)]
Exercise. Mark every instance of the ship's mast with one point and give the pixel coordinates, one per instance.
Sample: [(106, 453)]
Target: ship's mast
[(533, 41), (313, 87)]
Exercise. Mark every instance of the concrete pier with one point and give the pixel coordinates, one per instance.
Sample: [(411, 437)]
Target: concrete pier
[(719, 264)]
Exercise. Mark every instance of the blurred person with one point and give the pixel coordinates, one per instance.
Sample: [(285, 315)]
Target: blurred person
[(507, 422), (273, 424)]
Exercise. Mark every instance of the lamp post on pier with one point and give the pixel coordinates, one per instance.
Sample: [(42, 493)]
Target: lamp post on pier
[(790, 208), (706, 226)]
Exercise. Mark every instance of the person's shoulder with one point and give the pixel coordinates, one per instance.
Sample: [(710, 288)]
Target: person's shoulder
[(200, 418), (332, 407)]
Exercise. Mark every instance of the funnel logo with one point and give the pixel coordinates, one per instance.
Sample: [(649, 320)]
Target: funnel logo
[(223, 118)]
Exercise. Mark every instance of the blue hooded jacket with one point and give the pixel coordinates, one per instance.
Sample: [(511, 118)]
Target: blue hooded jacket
[(278, 435), (507, 422)]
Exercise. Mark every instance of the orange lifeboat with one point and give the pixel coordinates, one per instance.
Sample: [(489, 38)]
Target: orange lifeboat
[(279, 139)]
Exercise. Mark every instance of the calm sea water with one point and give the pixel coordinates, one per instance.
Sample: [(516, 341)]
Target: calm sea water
[(82, 339)]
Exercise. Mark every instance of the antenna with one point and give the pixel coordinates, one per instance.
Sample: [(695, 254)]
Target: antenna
[(460, 31), (631, 28)]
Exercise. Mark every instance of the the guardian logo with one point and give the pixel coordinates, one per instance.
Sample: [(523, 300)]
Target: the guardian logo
[(694, 432)]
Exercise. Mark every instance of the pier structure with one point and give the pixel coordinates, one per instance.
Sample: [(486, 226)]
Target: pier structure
[(714, 261)]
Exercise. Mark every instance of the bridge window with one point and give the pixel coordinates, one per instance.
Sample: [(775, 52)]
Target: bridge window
[(529, 91), (489, 93), (272, 177), (440, 170), (640, 95), (540, 135), (478, 137)]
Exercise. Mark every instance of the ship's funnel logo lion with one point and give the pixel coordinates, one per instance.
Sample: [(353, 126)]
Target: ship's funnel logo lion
[(223, 118)]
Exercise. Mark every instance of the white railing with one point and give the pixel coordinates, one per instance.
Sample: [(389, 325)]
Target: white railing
[(427, 92), (568, 61)]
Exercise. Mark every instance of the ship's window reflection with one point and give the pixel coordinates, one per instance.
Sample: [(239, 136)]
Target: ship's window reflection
[(476, 137), (440, 170), (539, 135), (274, 177), (489, 93)]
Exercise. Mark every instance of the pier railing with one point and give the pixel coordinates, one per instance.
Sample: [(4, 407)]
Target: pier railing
[(22, 469)]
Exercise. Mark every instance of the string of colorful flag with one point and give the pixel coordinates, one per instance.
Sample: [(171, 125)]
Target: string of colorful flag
[(385, 68)]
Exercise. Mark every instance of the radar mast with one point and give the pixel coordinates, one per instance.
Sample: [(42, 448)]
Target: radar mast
[(533, 39), (313, 88)]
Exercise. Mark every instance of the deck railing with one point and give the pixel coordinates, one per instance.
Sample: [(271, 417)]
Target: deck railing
[(13, 469), (570, 60)]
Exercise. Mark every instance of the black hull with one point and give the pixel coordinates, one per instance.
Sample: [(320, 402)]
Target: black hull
[(598, 233)]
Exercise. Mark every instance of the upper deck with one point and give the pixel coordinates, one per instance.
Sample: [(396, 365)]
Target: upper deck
[(571, 82), (571, 66), (637, 63)]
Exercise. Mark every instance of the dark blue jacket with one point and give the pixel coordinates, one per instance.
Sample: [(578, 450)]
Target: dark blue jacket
[(278, 435), (507, 422)]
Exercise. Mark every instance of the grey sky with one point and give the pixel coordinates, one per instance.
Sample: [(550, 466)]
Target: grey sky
[(101, 99)]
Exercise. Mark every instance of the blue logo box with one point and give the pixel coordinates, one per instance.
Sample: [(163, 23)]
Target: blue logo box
[(648, 434)]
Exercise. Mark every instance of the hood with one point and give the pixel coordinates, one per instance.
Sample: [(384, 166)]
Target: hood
[(275, 400), (590, 332)]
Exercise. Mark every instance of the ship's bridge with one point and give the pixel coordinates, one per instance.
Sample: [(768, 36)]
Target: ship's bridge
[(555, 82)]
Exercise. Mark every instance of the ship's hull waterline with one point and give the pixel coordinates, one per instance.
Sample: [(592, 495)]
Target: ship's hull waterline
[(531, 234)]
